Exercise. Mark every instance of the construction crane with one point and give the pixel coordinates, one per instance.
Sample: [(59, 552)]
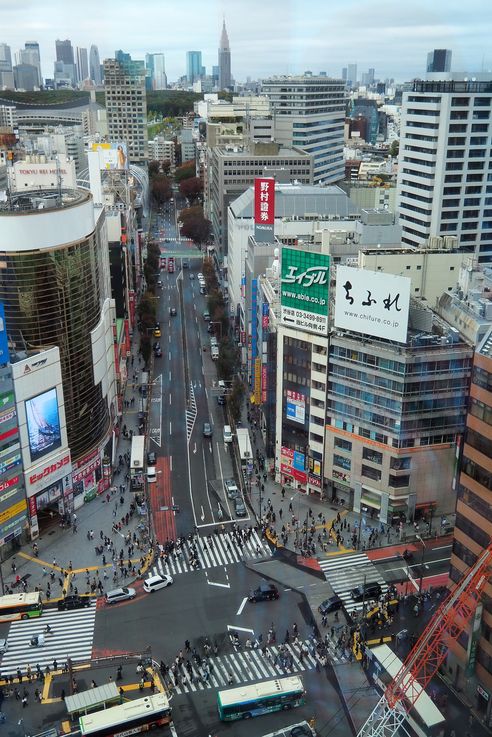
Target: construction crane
[(429, 652)]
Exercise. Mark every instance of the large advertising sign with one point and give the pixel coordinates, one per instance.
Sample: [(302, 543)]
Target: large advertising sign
[(4, 346), (305, 290), (264, 209), (43, 424), (292, 463), (112, 155), (296, 407), (373, 303), (44, 475)]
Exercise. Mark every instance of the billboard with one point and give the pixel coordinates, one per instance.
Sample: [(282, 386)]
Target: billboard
[(296, 407), (304, 292), (111, 155), (292, 464), (264, 209), (4, 347), (372, 302), (43, 424)]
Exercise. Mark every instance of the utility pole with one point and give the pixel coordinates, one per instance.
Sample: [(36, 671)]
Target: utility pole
[(421, 566)]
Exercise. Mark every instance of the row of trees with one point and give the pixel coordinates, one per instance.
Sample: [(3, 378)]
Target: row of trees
[(228, 360), (195, 224), (147, 307)]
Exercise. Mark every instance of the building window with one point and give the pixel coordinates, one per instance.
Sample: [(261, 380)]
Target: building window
[(481, 410), (371, 473), (481, 475), (473, 531), (398, 464), (343, 444), (342, 462), (398, 482), (462, 552), (368, 454)]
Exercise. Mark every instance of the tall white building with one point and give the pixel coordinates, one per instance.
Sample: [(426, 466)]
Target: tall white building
[(30, 55), (444, 175), (155, 63), (94, 65), (126, 105), (6, 71), (309, 114)]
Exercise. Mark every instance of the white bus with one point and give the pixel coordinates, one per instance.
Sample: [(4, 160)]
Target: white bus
[(131, 717), (253, 700), (137, 462), (424, 719), (20, 606)]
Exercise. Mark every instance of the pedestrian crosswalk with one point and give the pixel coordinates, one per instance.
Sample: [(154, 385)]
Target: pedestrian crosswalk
[(248, 665), (72, 637), (212, 551), (345, 572), (191, 413)]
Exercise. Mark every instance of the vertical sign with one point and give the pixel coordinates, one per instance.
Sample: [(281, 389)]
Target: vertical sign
[(264, 209), (304, 290), (4, 346)]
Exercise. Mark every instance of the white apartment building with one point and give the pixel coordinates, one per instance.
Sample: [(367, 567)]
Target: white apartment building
[(310, 114), (126, 105), (444, 176), (160, 149)]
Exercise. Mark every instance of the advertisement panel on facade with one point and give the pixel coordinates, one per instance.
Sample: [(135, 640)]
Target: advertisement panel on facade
[(4, 346), (296, 407), (43, 424), (45, 474), (112, 155), (372, 302), (292, 464), (304, 293), (264, 209)]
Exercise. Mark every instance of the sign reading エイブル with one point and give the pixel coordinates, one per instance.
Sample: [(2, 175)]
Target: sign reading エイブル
[(304, 290)]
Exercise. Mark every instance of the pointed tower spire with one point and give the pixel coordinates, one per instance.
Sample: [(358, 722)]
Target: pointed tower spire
[(224, 59), (224, 38)]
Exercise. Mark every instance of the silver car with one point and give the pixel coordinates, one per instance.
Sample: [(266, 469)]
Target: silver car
[(122, 594)]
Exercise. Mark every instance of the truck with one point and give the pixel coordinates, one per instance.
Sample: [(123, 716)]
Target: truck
[(245, 449)]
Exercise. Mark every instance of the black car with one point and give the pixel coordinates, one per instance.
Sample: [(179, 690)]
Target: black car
[(371, 590), (158, 353), (265, 592), (73, 602), (332, 604), (172, 311), (151, 458), (221, 399)]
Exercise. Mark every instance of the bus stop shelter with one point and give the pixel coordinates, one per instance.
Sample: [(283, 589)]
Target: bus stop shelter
[(94, 699)]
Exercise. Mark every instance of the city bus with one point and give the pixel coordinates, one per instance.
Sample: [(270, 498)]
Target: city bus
[(129, 718), (253, 700), (137, 459), (20, 606), (424, 719)]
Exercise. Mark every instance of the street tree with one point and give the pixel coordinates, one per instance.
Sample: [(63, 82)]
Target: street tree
[(235, 399), (153, 168), (187, 170), (161, 189), (191, 188)]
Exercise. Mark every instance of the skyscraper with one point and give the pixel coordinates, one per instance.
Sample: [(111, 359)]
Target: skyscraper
[(439, 60), (445, 149), (82, 64), (30, 55), (352, 74), (155, 63), (126, 105), (6, 72), (309, 113), (64, 51), (224, 60), (95, 65), (65, 64), (193, 65)]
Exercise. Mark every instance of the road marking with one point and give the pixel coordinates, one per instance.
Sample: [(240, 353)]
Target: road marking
[(194, 447), (169, 395), (203, 513), (443, 547), (210, 447), (170, 428), (239, 629), (243, 604), (169, 355), (221, 585), (171, 464), (169, 381)]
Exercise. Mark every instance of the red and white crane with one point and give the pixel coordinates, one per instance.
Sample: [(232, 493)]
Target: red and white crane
[(428, 653)]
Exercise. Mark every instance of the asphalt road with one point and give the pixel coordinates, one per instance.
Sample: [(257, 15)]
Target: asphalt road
[(434, 562)]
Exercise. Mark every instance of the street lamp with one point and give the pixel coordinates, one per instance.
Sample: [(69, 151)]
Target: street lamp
[(421, 565)]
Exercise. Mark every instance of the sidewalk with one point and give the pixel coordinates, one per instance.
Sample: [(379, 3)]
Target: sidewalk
[(67, 560)]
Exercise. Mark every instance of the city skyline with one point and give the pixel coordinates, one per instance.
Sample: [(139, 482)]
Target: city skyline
[(268, 40)]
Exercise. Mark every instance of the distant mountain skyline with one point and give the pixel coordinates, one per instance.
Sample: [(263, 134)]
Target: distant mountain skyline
[(277, 37)]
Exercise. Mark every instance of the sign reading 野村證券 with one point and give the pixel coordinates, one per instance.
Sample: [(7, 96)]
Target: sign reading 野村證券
[(304, 290)]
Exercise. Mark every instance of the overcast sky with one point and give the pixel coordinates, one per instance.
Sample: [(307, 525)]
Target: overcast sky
[(266, 36)]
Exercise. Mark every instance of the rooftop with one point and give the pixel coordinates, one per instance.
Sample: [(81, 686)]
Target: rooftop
[(485, 347), (50, 199), (301, 200)]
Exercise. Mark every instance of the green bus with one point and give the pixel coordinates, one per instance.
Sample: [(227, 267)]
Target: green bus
[(253, 700), (20, 606)]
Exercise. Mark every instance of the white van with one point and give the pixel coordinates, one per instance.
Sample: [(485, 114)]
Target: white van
[(214, 352), (213, 341), (227, 434), (154, 583)]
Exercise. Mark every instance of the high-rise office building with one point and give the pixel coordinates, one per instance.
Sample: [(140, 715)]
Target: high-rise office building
[(64, 51), (95, 65), (6, 72), (225, 78), (82, 64), (30, 55), (65, 56), (310, 114), (352, 74), (193, 66), (439, 60), (344, 74), (445, 154), (126, 105), (25, 77), (155, 64), (472, 532)]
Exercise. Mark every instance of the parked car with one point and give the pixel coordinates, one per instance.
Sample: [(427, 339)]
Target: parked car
[(158, 352), (332, 604), (207, 430), (192, 276), (370, 590), (206, 316), (221, 399), (231, 488), (157, 332), (122, 594), (73, 602), (264, 592), (151, 474), (151, 458), (227, 434), (240, 507)]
